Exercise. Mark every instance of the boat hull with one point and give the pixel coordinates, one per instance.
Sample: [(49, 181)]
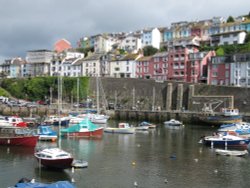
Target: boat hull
[(226, 143), (56, 163), (87, 134), (120, 130), (29, 141), (231, 152), (220, 119)]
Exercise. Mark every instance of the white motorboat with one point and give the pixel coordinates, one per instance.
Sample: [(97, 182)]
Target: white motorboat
[(173, 122), (123, 128), (54, 158)]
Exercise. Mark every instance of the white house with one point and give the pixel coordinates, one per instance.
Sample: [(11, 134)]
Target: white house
[(92, 64), (103, 43), (234, 37), (131, 43), (39, 61), (151, 37), (240, 70), (124, 67)]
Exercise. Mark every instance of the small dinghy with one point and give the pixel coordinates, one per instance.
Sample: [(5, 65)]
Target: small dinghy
[(231, 152), (79, 164)]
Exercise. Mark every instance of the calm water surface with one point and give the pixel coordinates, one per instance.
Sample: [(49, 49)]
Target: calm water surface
[(159, 158)]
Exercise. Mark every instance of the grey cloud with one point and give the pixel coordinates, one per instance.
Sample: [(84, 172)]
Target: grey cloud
[(38, 24)]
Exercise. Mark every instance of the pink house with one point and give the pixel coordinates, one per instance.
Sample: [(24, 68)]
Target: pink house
[(178, 59), (219, 71), (159, 66), (62, 45), (143, 69), (197, 66)]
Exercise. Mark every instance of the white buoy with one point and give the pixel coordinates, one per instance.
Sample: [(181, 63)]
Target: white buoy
[(72, 180), (72, 169), (216, 171), (135, 184), (196, 160), (166, 181), (212, 144)]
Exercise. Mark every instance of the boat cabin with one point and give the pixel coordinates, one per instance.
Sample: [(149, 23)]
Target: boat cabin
[(230, 111)]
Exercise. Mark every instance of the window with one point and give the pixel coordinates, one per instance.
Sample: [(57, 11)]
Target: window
[(214, 82), (214, 74), (215, 66), (248, 72), (117, 68), (127, 69)]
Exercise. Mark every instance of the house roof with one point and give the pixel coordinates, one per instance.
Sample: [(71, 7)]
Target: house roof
[(160, 54), (231, 32), (94, 56), (129, 57), (145, 58)]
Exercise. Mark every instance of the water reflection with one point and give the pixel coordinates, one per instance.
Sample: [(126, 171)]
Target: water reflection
[(159, 158)]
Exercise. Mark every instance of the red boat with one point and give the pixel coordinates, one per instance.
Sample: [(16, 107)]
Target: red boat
[(18, 136), (54, 158)]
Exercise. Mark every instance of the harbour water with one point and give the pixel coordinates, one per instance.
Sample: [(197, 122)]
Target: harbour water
[(159, 158)]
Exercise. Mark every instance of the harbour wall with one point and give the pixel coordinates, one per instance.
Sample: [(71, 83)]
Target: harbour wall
[(145, 99)]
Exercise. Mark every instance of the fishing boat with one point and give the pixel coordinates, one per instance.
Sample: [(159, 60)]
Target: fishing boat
[(173, 122), (54, 158), (26, 183), (83, 129), (46, 133), (12, 121), (225, 140), (123, 128), (226, 116), (18, 136), (226, 152)]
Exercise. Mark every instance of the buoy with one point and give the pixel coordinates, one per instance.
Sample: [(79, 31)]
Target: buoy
[(173, 156), (72, 169), (133, 163), (53, 139), (215, 171), (196, 160), (138, 145), (166, 181), (135, 184)]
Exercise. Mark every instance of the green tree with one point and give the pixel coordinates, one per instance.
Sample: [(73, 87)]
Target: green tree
[(247, 39), (220, 51), (149, 50), (230, 19)]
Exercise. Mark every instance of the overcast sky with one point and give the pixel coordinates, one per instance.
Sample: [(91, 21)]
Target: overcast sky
[(38, 24)]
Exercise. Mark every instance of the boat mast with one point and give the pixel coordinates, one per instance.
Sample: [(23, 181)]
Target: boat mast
[(97, 94), (77, 95), (153, 104), (59, 105)]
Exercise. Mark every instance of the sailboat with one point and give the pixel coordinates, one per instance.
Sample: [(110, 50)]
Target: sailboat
[(55, 157), (98, 118)]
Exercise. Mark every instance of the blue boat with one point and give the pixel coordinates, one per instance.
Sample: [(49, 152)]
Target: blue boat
[(241, 128), (59, 184), (46, 133), (225, 140)]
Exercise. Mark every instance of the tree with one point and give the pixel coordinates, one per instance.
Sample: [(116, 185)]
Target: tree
[(149, 50), (220, 52), (230, 19), (247, 39)]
